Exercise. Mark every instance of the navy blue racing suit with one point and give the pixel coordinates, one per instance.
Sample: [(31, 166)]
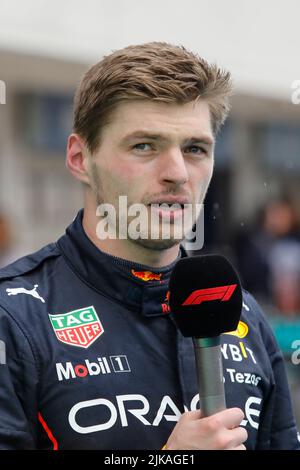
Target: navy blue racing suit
[(91, 359)]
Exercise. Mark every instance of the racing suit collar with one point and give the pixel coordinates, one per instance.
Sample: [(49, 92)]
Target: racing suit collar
[(137, 286)]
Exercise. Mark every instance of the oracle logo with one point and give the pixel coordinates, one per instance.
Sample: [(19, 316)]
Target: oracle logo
[(138, 406)]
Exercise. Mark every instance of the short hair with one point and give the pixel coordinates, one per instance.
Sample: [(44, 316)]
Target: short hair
[(155, 71)]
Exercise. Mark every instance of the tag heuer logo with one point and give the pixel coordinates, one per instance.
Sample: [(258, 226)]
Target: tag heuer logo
[(78, 328)]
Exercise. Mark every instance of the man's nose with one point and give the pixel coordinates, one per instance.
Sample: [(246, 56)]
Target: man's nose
[(172, 167)]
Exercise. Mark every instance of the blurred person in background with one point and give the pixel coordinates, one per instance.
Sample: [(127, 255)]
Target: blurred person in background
[(269, 257), (282, 225)]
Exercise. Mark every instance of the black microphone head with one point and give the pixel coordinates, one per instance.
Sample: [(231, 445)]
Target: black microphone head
[(205, 296)]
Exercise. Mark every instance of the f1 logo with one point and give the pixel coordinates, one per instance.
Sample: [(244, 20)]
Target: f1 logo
[(222, 293)]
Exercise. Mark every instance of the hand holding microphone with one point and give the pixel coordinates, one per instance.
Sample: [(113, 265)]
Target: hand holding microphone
[(219, 431), (206, 301)]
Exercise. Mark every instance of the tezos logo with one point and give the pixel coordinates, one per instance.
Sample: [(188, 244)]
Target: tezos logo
[(78, 328)]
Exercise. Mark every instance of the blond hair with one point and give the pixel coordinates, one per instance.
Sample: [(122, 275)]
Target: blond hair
[(153, 71)]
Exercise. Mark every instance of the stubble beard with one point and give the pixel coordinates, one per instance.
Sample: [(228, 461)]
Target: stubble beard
[(148, 243)]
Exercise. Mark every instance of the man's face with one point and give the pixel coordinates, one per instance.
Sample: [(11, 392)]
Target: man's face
[(154, 153)]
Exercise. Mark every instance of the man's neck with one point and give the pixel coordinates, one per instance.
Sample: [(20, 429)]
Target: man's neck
[(127, 249)]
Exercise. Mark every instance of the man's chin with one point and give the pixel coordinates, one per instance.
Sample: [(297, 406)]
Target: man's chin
[(157, 245)]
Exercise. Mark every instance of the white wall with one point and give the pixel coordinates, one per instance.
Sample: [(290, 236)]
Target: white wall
[(258, 40)]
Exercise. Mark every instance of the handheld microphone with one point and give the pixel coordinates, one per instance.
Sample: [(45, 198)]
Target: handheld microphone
[(206, 301)]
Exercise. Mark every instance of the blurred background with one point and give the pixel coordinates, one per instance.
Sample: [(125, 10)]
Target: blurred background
[(252, 210)]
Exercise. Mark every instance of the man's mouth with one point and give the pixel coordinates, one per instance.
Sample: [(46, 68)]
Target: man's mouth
[(169, 210), (171, 201)]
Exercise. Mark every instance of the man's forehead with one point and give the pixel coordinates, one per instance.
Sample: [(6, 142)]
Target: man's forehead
[(163, 120)]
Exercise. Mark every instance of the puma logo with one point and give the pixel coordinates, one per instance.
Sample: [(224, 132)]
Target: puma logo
[(21, 290)]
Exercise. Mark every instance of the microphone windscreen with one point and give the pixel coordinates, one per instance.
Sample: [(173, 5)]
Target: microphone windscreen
[(205, 296)]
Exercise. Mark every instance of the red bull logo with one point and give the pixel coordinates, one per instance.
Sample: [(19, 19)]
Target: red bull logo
[(146, 275), (165, 306)]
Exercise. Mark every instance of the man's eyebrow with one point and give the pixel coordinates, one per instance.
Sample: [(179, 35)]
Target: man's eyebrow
[(143, 134), (204, 139), (208, 140)]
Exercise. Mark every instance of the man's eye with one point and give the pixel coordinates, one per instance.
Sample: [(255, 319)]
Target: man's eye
[(196, 150), (142, 146)]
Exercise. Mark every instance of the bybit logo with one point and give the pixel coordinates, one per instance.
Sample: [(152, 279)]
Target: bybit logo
[(237, 353)]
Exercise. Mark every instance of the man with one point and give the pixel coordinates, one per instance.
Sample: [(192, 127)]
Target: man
[(93, 359)]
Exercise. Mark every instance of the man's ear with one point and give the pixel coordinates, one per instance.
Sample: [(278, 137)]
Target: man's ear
[(77, 158)]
